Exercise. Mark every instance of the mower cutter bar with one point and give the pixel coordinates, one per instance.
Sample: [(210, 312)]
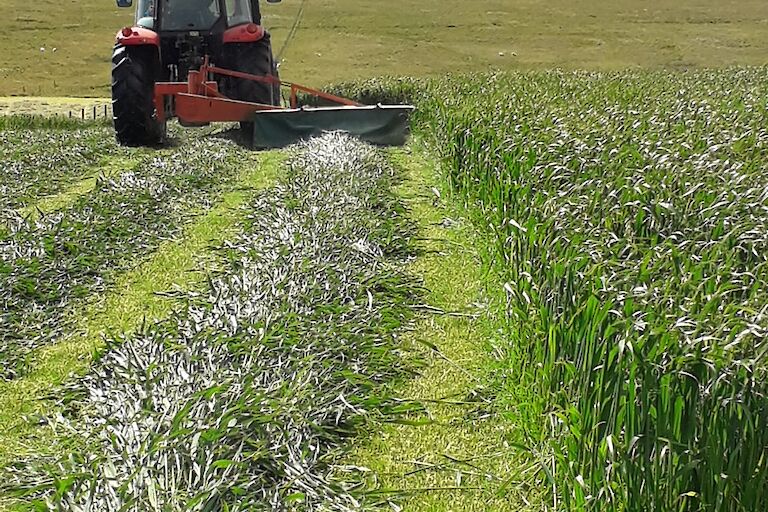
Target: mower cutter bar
[(383, 125)]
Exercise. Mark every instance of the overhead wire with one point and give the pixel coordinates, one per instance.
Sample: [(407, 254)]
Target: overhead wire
[(292, 33)]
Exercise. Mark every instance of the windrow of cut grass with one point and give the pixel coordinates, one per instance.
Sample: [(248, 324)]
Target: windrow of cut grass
[(50, 122), (243, 398), (147, 292), (40, 162), (49, 263), (629, 214)]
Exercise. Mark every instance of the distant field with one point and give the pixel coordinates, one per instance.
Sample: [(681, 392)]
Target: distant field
[(61, 106), (343, 39)]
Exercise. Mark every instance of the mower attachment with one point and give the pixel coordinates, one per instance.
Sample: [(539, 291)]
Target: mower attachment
[(199, 101), (383, 125)]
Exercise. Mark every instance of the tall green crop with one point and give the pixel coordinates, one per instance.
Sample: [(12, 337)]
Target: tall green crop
[(630, 218)]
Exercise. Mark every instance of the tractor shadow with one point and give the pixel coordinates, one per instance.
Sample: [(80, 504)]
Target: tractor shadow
[(183, 138), (171, 142), (236, 135)]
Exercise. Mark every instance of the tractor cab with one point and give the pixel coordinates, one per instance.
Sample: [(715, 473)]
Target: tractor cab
[(194, 15), (145, 14)]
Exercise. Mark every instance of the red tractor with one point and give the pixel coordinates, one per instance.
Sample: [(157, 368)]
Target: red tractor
[(204, 61), (173, 37)]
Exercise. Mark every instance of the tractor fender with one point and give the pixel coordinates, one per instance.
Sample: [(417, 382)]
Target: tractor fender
[(139, 36), (249, 33)]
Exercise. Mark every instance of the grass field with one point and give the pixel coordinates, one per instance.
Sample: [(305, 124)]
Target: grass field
[(54, 106), (243, 395), (345, 39), (626, 216), (553, 298)]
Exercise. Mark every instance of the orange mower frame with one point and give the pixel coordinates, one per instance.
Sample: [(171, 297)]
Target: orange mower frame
[(198, 100)]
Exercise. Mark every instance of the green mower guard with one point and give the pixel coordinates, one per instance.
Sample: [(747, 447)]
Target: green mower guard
[(382, 125)]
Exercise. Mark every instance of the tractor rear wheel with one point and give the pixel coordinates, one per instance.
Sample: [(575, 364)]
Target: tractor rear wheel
[(133, 101), (255, 59)]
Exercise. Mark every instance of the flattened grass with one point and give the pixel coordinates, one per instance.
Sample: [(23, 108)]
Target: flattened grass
[(54, 263), (136, 295), (86, 183), (45, 162), (48, 122), (455, 456)]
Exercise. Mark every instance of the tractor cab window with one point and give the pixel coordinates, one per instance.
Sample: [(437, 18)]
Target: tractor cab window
[(189, 14), (238, 12), (145, 13)]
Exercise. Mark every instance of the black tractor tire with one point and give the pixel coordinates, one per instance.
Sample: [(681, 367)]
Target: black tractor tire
[(133, 91), (255, 59)]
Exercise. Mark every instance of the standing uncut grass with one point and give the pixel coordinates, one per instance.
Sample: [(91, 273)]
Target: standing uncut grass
[(628, 215)]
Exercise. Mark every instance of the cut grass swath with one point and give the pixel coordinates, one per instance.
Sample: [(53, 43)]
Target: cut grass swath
[(47, 263), (36, 163), (243, 399), (50, 122)]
